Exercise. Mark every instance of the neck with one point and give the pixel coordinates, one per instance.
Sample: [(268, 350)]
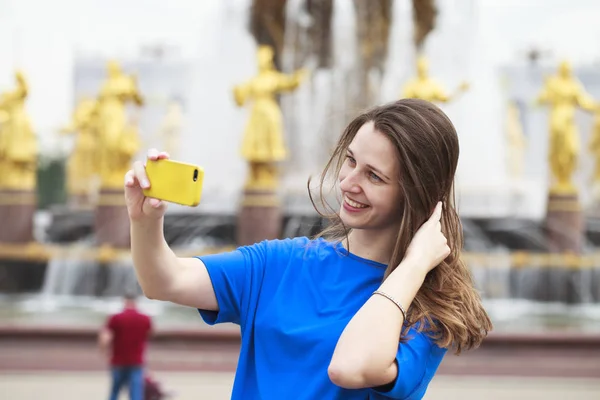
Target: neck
[(374, 246)]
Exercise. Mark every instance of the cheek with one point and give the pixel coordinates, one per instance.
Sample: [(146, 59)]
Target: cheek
[(389, 201), (344, 171)]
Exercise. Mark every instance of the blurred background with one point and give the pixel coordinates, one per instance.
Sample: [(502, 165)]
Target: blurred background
[(88, 86)]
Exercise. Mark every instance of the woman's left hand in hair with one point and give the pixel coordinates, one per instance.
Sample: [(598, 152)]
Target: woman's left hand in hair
[(429, 246)]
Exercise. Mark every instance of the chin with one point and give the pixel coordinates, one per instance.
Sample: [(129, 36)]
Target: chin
[(350, 221)]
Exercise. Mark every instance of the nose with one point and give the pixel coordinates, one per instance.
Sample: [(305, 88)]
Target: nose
[(350, 183)]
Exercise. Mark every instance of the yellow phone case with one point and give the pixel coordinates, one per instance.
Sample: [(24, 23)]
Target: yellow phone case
[(175, 182)]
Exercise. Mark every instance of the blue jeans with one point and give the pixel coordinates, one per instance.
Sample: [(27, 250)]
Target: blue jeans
[(133, 376)]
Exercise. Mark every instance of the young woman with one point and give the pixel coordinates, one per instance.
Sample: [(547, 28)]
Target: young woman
[(368, 309)]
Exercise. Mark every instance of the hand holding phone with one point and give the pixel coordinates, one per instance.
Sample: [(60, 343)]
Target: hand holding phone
[(145, 201), (174, 181)]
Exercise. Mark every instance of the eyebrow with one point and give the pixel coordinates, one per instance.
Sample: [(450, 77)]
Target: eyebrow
[(370, 166)]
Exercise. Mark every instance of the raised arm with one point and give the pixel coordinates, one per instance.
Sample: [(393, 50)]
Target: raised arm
[(543, 96), (365, 355), (291, 81), (22, 86), (584, 100), (462, 88), (161, 274), (241, 93)]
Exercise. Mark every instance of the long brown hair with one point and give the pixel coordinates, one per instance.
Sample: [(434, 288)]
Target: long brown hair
[(447, 306)]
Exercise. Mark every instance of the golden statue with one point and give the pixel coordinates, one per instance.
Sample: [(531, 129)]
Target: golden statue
[(594, 145), (118, 139), (426, 88), (564, 93), (83, 163), (263, 138), (18, 143), (516, 141), (170, 129)]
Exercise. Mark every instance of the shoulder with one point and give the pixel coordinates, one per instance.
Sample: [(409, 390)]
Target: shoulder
[(298, 246), (143, 316), (146, 319), (115, 318), (284, 251)]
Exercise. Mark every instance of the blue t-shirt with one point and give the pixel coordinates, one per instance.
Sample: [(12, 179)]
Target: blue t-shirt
[(292, 299)]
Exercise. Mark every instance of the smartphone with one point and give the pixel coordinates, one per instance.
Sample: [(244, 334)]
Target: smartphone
[(174, 182)]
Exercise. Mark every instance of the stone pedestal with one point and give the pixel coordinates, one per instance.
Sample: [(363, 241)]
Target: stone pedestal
[(565, 233), (17, 211), (111, 222), (260, 217), (565, 224)]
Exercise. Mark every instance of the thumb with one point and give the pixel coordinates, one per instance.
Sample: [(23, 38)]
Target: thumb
[(154, 207), (437, 213)]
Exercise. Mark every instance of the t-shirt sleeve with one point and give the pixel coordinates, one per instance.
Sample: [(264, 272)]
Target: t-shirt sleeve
[(236, 277), (418, 360)]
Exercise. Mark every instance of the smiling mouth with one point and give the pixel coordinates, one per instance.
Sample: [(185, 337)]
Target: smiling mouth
[(354, 204)]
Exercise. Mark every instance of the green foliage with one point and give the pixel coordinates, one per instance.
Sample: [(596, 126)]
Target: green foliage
[(51, 182)]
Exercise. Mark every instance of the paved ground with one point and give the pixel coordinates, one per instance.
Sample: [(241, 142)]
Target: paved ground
[(34, 364), (216, 386), (212, 351)]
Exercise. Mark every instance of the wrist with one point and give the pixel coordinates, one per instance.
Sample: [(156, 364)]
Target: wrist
[(413, 268), (147, 234), (147, 224), (404, 283)]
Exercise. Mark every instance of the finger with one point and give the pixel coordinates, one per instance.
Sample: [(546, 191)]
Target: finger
[(140, 174), (152, 154), (152, 206), (130, 178), (437, 212), (155, 203), (163, 155)]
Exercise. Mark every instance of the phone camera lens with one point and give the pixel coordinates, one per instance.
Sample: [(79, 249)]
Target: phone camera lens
[(195, 175)]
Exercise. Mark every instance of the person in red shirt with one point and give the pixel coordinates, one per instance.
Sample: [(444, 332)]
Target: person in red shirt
[(124, 339)]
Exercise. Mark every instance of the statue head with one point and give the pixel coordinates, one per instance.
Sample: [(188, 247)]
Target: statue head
[(565, 69), (422, 67), (113, 67), (265, 58)]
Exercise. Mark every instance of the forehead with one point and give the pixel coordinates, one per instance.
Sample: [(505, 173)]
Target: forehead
[(372, 147)]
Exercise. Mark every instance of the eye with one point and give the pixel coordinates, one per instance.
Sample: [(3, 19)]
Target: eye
[(375, 177), (350, 159)]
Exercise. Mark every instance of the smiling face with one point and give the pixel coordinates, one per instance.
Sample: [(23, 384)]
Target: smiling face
[(369, 182)]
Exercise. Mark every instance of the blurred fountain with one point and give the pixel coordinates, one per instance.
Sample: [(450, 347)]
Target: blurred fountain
[(79, 286), (519, 294)]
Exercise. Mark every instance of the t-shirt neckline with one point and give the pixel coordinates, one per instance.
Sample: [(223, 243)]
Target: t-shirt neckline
[(340, 247)]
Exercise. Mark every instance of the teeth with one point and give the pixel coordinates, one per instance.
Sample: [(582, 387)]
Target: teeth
[(355, 204)]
